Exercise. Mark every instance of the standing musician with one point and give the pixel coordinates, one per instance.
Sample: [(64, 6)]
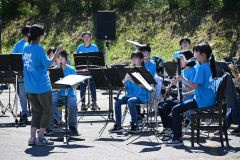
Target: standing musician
[(165, 107), (18, 49), (185, 44), (204, 91), (37, 84), (87, 47), (71, 95), (135, 95)]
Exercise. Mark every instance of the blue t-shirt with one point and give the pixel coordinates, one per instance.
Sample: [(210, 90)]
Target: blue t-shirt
[(91, 48), (36, 63), (196, 66), (176, 55), (69, 70), (130, 89), (151, 67), (18, 47), (134, 90), (142, 93), (204, 94), (189, 74)]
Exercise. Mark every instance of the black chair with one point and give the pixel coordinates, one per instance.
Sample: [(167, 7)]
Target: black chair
[(217, 113)]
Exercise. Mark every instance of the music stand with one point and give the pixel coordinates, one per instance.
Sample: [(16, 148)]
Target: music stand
[(146, 75), (6, 66), (70, 81), (92, 58), (222, 67), (108, 78), (55, 74), (171, 68), (87, 60)]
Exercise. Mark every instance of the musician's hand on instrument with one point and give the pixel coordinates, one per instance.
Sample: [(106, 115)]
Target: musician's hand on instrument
[(179, 78), (127, 77), (174, 81), (238, 77), (184, 95)]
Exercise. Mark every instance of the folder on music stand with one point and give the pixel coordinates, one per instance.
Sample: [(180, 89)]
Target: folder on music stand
[(146, 75), (141, 80), (72, 80)]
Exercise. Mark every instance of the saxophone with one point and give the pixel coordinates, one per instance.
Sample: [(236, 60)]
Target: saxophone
[(235, 73)]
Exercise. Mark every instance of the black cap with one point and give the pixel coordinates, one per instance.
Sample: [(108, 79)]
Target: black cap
[(183, 40), (26, 30), (187, 54), (145, 48)]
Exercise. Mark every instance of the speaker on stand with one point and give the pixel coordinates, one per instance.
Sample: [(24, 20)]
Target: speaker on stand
[(105, 24)]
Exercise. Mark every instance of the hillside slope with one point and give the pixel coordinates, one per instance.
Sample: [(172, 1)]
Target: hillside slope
[(160, 28)]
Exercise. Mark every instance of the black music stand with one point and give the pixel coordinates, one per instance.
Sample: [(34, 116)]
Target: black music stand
[(17, 66), (5, 67), (108, 78), (70, 81), (55, 74), (8, 63), (222, 67), (171, 68), (88, 60)]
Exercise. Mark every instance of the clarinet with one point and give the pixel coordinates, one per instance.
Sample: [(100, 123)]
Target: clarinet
[(179, 82)]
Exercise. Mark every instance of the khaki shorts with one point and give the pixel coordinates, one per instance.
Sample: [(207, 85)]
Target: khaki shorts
[(42, 110)]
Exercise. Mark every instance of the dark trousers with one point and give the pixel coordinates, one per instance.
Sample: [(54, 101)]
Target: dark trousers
[(165, 108), (83, 86), (177, 117)]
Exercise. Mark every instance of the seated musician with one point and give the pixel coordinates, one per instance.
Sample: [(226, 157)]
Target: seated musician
[(135, 95), (204, 91), (87, 47), (149, 65), (18, 49), (185, 44), (165, 107), (60, 95)]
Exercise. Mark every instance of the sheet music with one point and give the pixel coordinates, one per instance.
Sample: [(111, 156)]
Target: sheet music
[(139, 77), (72, 80)]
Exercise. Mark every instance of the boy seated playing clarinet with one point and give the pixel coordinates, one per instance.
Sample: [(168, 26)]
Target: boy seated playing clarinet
[(71, 95)]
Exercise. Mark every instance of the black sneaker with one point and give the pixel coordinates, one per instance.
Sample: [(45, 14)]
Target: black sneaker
[(134, 128), (236, 131), (167, 137), (116, 129), (74, 130), (23, 119), (175, 142), (84, 107)]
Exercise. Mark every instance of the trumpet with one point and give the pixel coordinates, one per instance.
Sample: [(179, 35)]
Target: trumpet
[(235, 73)]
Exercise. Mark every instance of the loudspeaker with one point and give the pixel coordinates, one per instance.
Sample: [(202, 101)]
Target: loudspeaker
[(105, 25)]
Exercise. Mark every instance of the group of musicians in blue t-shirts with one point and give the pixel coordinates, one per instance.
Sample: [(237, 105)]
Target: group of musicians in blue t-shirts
[(197, 77)]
